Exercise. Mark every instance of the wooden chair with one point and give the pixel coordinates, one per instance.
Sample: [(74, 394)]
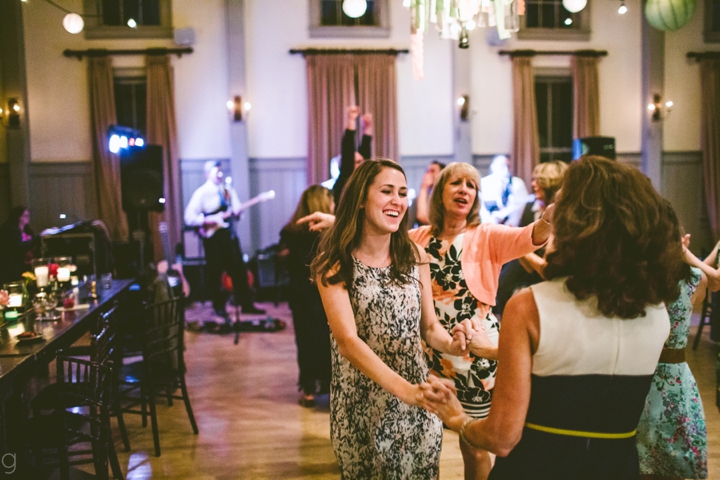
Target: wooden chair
[(83, 383), (161, 372)]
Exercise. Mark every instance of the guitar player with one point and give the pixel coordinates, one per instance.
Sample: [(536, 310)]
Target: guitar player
[(212, 209)]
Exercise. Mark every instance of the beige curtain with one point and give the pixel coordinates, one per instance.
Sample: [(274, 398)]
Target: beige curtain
[(526, 142), (107, 165), (162, 130), (710, 139), (586, 97), (330, 83), (377, 94)]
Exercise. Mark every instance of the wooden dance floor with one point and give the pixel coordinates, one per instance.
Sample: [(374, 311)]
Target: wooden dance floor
[(251, 427)]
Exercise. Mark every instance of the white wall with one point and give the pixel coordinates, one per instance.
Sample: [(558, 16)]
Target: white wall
[(681, 130), (60, 129), (619, 77), (277, 83)]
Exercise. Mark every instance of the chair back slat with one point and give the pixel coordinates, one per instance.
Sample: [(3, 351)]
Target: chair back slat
[(164, 335)]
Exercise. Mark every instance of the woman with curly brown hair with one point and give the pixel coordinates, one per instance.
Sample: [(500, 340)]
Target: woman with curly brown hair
[(578, 351)]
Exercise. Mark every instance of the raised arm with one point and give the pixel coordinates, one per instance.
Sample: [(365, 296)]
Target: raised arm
[(422, 200), (342, 324), (503, 428), (708, 266), (365, 147), (347, 152)]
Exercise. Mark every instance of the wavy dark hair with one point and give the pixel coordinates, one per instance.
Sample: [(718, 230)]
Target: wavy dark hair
[(334, 262), (615, 239)]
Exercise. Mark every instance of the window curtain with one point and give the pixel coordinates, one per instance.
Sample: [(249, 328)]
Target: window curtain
[(162, 130), (710, 139), (331, 85), (377, 93), (586, 114), (106, 164), (526, 142)]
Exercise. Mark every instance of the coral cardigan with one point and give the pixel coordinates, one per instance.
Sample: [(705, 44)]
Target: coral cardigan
[(485, 249)]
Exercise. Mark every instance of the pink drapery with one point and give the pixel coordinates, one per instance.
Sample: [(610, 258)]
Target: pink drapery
[(330, 83), (586, 96), (377, 94), (331, 80), (710, 139), (162, 130), (526, 141), (106, 164)]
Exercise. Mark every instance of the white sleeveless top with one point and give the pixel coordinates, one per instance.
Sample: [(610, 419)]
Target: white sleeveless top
[(576, 339)]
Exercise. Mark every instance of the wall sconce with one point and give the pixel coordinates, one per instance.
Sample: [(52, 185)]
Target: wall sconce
[(237, 108), (12, 113), (464, 103), (656, 107)]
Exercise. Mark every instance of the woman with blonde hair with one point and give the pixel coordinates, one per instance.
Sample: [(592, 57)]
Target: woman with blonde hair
[(465, 259), (578, 351), (376, 289), (312, 335)]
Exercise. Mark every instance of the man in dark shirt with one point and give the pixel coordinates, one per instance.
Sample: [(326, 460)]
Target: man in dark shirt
[(351, 158)]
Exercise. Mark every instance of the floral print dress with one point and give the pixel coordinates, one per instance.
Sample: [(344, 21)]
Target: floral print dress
[(474, 377), (672, 435), (374, 434)]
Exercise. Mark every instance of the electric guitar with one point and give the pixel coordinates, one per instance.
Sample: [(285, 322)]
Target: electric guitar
[(173, 271), (219, 220)]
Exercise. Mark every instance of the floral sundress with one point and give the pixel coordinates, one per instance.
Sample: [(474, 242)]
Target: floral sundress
[(474, 377), (672, 434)]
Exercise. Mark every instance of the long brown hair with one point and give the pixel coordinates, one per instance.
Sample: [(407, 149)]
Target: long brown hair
[(315, 198), (615, 239), (437, 208), (340, 240)]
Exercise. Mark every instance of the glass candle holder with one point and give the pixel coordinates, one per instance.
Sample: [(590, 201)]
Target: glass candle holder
[(42, 272), (16, 295), (64, 268)]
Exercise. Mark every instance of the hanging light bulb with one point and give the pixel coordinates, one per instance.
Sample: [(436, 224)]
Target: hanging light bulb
[(464, 39), (73, 23), (132, 23), (354, 8), (574, 6), (623, 9)]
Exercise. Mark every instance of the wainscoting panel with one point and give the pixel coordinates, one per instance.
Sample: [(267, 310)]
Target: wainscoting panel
[(61, 187), (682, 185), (286, 176), (5, 202)]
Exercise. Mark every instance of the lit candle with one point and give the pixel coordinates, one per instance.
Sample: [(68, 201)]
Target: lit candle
[(63, 274), (41, 275), (15, 300)]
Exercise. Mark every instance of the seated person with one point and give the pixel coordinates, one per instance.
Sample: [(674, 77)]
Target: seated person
[(17, 242)]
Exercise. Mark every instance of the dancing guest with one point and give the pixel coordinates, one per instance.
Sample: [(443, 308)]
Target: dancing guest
[(672, 434), (17, 242), (312, 335), (350, 158), (465, 260), (375, 285), (422, 202), (578, 351)]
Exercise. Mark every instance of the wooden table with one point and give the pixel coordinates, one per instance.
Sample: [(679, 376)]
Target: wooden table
[(20, 360)]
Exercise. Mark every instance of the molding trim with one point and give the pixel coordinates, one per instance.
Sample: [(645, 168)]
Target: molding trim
[(673, 158), (277, 163), (60, 169)]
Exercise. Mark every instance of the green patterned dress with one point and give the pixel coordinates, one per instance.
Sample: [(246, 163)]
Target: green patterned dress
[(672, 435)]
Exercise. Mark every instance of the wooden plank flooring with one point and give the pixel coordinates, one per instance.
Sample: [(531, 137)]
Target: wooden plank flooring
[(251, 427)]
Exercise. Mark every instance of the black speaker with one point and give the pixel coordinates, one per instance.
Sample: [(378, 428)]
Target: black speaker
[(141, 172), (601, 146)]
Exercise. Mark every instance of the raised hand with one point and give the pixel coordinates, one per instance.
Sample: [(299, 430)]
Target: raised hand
[(368, 122), (428, 180), (318, 221), (353, 111)]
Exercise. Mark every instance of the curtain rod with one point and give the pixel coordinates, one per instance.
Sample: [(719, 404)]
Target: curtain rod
[(703, 55), (101, 52), (576, 53), (340, 51)]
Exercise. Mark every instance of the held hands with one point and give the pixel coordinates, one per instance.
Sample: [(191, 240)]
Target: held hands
[(440, 397), (318, 221)]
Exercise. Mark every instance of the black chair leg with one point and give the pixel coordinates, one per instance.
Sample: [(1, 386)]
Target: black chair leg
[(143, 404), (153, 421), (186, 399), (114, 462), (121, 426), (168, 395)]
